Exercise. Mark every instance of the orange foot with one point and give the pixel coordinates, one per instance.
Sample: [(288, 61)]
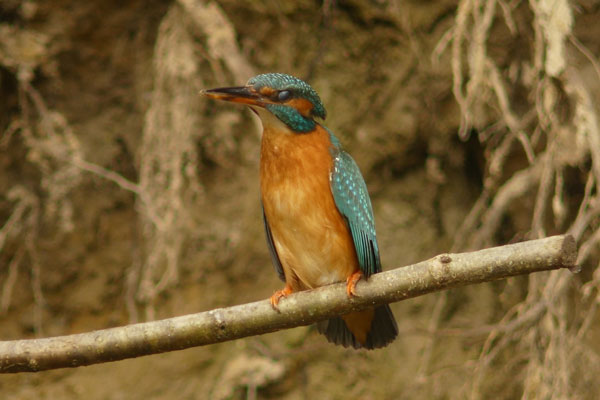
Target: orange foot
[(278, 295), (351, 282)]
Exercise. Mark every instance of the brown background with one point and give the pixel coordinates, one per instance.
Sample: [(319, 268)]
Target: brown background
[(125, 196)]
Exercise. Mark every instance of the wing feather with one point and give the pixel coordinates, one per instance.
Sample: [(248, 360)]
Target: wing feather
[(272, 249), (352, 200)]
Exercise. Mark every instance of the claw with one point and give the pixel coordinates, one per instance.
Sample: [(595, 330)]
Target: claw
[(351, 282), (278, 295)]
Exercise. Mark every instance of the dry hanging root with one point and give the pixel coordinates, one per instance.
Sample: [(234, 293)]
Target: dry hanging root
[(172, 129), (553, 127)]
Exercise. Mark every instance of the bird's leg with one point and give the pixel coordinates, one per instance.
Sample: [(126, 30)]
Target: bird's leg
[(351, 282), (278, 295)]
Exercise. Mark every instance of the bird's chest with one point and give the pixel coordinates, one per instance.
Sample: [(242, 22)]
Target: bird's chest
[(294, 175), (293, 185), (310, 235)]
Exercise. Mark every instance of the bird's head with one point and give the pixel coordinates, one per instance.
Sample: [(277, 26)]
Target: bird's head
[(291, 100)]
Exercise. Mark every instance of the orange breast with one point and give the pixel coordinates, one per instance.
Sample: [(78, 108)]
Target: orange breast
[(310, 235)]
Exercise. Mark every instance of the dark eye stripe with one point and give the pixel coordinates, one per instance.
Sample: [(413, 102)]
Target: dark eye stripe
[(284, 95)]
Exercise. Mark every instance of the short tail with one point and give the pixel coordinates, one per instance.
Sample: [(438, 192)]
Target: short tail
[(373, 328)]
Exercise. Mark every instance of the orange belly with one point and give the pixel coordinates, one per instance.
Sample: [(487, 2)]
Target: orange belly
[(311, 237)]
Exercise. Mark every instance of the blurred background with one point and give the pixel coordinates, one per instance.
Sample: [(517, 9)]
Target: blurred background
[(125, 196)]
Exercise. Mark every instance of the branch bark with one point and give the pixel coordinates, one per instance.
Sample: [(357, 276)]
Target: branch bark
[(441, 272)]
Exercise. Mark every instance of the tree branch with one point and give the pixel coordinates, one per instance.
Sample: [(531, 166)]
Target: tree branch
[(441, 272)]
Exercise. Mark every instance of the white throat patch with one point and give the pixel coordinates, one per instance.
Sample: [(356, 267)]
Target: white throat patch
[(270, 121)]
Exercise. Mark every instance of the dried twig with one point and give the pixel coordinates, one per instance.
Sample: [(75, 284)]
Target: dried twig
[(514, 188), (439, 273), (11, 278)]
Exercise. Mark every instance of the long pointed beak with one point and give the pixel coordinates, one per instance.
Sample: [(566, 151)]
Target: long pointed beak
[(237, 94)]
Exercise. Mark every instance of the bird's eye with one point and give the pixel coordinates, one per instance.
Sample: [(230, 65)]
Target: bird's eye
[(284, 95)]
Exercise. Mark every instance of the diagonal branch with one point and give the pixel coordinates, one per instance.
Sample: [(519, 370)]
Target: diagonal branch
[(441, 272)]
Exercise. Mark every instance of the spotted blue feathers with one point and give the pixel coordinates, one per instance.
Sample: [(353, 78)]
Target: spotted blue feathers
[(352, 200)]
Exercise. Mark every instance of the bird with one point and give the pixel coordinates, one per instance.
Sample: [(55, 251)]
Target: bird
[(316, 209)]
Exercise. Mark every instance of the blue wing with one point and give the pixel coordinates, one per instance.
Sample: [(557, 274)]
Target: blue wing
[(272, 250), (352, 200)]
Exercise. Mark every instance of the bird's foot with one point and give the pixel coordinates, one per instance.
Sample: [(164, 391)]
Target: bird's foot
[(351, 282), (278, 295)]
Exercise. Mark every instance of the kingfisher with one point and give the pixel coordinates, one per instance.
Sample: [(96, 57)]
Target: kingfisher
[(316, 209)]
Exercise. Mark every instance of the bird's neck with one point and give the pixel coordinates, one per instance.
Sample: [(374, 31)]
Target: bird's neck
[(287, 155), (281, 142), (292, 118)]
